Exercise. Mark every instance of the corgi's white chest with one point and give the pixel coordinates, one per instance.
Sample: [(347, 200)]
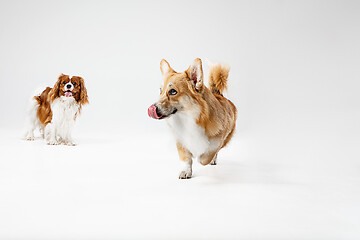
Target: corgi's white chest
[(190, 135)]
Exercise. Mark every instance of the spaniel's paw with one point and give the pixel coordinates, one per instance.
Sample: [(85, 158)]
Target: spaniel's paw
[(30, 138), (52, 142), (71, 143)]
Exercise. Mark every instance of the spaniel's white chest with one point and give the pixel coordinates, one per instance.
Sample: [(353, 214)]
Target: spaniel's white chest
[(191, 135), (64, 109)]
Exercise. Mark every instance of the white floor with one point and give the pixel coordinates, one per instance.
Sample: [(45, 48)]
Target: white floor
[(124, 186)]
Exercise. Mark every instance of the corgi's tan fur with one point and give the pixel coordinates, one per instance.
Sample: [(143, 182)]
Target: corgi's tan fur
[(202, 119)]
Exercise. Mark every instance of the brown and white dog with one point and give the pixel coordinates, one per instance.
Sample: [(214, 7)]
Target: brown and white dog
[(54, 110), (202, 119)]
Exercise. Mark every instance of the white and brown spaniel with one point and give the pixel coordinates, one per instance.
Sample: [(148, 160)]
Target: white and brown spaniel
[(54, 110)]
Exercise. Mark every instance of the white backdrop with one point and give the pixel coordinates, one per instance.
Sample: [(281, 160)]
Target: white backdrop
[(292, 170)]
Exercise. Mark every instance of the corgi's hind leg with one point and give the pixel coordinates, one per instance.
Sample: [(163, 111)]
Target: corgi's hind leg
[(206, 158)]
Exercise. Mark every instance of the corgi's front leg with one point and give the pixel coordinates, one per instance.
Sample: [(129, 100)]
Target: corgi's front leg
[(186, 157)]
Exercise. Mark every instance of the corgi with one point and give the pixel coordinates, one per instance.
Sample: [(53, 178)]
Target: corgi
[(201, 118)]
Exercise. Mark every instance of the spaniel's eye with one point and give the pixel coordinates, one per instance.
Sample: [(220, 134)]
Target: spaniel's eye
[(172, 92), (64, 82), (75, 84)]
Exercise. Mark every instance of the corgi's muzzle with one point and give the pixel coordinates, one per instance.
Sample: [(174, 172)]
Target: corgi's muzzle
[(154, 112)]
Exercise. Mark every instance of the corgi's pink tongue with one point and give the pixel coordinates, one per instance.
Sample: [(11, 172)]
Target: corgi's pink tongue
[(68, 94), (152, 112)]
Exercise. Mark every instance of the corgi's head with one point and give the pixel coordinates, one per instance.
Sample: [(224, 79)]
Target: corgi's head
[(179, 91)]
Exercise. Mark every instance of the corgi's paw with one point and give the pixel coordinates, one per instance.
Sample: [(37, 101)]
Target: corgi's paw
[(185, 174), (214, 160)]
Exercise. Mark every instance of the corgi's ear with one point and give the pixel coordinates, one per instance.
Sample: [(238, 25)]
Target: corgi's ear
[(195, 74), (165, 67)]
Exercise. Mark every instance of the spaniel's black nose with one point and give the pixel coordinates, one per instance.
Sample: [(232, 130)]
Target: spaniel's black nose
[(68, 86)]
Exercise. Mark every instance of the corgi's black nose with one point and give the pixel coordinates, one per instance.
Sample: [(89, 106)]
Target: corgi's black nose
[(68, 86)]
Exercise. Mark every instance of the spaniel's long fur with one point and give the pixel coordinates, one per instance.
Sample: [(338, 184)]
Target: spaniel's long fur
[(54, 110)]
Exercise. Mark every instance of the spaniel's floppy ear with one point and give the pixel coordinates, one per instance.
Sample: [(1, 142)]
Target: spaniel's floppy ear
[(54, 92), (165, 67), (195, 74), (83, 92)]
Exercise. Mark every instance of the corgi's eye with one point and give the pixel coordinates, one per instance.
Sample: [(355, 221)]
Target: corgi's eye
[(172, 92), (64, 82)]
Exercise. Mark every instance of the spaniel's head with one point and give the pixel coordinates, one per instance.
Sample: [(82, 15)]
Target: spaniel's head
[(70, 87)]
